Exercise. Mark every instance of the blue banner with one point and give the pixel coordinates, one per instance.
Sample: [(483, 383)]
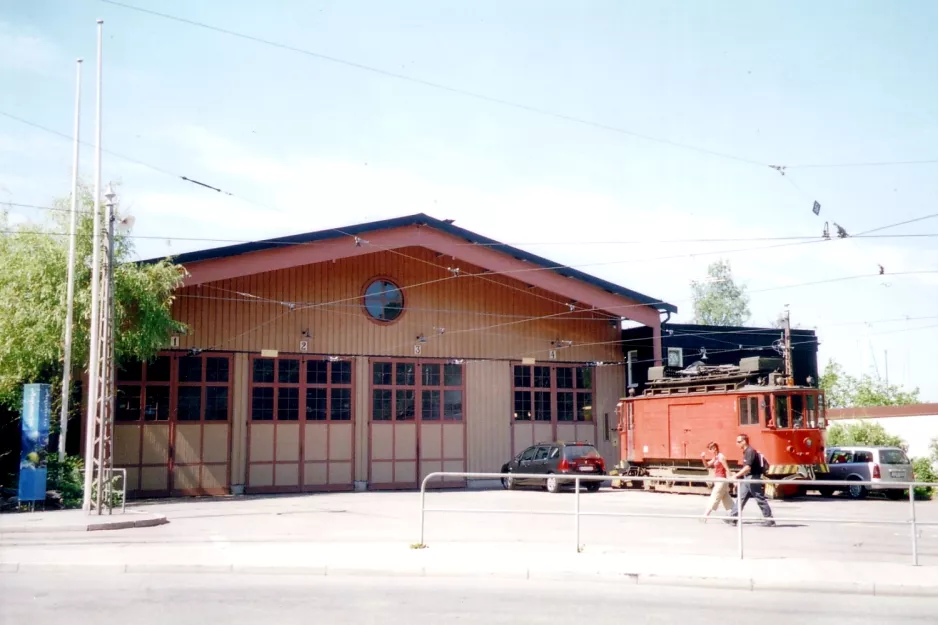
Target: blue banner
[(34, 440)]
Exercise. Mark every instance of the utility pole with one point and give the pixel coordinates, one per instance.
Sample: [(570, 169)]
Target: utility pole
[(789, 376), (91, 458), (104, 417), (70, 289)]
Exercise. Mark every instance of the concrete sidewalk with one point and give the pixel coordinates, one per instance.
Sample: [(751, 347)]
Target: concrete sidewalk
[(370, 534), (498, 560), (76, 521)]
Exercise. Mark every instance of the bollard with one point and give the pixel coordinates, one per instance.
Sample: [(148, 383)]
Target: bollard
[(914, 533), (576, 510)]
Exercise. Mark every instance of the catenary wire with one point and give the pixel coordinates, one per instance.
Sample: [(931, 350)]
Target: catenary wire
[(275, 241), (443, 87), (495, 100)]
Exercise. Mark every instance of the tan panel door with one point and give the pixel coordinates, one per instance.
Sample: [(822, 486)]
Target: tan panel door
[(417, 424)]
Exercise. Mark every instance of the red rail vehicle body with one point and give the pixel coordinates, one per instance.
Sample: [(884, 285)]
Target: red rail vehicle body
[(663, 431)]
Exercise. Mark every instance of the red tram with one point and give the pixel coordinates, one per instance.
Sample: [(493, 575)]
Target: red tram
[(663, 431)]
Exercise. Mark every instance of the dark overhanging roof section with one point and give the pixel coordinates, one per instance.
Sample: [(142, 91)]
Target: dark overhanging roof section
[(419, 219)]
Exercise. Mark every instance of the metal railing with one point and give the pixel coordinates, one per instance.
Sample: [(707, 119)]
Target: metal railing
[(580, 479)]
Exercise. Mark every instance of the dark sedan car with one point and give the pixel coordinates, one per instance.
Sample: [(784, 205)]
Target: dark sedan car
[(551, 460)]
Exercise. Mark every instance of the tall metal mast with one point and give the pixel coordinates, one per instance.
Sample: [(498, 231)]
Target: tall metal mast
[(94, 365), (101, 400)]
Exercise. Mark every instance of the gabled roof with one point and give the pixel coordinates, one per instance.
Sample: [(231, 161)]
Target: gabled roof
[(419, 219)]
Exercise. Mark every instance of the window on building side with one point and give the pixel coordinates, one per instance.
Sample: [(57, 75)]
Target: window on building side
[(552, 393), (291, 389), (383, 301), (411, 389)]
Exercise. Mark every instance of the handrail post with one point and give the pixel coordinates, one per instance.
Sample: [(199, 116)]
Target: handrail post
[(739, 517), (914, 532), (423, 497), (576, 510)]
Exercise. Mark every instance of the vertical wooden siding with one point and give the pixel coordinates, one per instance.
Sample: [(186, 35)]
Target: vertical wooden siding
[(239, 419), (488, 414), (609, 383), (456, 315)]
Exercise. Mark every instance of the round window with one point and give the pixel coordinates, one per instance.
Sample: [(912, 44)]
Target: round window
[(383, 301)]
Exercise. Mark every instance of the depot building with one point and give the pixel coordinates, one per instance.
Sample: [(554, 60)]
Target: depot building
[(369, 356)]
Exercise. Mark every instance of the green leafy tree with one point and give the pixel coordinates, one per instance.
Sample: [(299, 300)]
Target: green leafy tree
[(862, 433), (718, 300), (32, 300), (846, 391), (924, 472)]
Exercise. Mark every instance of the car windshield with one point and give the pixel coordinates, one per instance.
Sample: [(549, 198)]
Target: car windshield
[(575, 452), (893, 456)]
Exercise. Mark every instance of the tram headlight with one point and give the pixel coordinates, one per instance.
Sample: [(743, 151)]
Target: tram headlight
[(808, 442)]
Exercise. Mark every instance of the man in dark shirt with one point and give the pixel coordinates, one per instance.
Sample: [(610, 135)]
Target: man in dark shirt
[(750, 486)]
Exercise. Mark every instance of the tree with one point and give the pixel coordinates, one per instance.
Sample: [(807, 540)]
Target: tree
[(843, 390), (718, 300), (32, 300), (862, 433)]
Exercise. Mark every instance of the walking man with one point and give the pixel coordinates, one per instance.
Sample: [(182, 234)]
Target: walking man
[(750, 485), (721, 490)]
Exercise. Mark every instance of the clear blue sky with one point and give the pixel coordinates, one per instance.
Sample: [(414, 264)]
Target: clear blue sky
[(323, 144)]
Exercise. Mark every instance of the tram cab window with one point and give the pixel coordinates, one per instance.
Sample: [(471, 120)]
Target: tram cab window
[(767, 408), (810, 411), (821, 417), (797, 411), (749, 411), (781, 411)]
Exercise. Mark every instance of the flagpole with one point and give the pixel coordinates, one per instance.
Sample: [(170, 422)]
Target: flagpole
[(70, 289)]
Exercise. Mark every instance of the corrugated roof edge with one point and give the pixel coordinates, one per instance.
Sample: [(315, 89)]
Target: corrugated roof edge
[(412, 220)]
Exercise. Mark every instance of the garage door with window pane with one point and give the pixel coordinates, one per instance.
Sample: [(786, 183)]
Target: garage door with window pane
[(300, 431), (551, 403), (417, 423), (172, 424)]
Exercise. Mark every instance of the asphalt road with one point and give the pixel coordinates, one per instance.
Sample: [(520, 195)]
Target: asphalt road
[(236, 600)]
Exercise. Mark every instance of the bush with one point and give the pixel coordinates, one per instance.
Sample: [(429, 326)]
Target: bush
[(924, 472), (65, 478)]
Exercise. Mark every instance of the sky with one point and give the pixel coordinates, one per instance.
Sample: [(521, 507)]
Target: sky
[(602, 135)]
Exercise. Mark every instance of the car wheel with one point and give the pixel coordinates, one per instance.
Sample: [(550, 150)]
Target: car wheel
[(857, 491), (593, 487), (508, 483), (553, 484)]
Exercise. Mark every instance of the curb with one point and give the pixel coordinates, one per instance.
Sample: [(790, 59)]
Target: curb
[(89, 526), (642, 579)]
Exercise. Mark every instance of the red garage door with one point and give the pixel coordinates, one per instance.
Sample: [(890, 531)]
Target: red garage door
[(301, 426), (172, 426), (417, 422)]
